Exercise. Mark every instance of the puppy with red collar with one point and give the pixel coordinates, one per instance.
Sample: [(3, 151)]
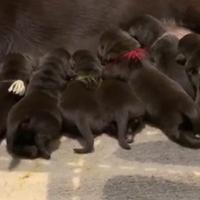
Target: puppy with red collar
[(167, 105)]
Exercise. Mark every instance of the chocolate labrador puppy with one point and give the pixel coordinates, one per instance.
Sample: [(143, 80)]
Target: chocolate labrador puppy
[(189, 48), (188, 45), (167, 104), (193, 70), (36, 120), (14, 67), (95, 109), (146, 29), (164, 52)]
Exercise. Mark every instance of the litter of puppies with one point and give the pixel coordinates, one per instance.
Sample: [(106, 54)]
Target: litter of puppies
[(143, 75)]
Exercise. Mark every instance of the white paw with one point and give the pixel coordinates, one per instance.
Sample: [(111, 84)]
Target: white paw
[(18, 88), (197, 136)]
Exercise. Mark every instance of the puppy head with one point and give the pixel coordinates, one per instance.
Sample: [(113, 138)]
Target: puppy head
[(86, 63), (15, 66), (193, 67), (146, 29), (189, 44), (164, 49), (61, 58), (114, 43)]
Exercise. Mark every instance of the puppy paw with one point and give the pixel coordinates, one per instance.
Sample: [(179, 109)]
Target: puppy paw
[(83, 151), (125, 145), (18, 88), (31, 152), (46, 155), (129, 139)]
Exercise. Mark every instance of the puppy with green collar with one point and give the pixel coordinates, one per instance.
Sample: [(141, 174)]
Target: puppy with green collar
[(94, 104)]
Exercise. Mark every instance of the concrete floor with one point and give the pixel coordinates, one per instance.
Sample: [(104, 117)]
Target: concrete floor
[(155, 169)]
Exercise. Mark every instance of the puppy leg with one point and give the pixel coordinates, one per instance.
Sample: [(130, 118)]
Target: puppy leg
[(122, 123), (87, 134), (193, 115), (2, 135), (42, 145), (134, 126), (172, 133), (26, 151)]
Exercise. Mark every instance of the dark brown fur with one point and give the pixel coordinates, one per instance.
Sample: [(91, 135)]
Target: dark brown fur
[(189, 44), (189, 47), (14, 67), (166, 102), (35, 27), (164, 53), (35, 120), (146, 29), (95, 109), (193, 70)]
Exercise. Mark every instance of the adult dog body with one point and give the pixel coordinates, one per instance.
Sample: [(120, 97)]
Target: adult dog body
[(34, 26)]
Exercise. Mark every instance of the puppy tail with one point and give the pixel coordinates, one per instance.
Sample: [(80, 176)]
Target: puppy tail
[(14, 127), (26, 151)]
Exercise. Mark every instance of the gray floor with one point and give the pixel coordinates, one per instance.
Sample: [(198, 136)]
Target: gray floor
[(155, 169)]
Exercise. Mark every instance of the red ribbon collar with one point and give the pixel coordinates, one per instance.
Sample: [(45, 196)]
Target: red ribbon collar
[(136, 54)]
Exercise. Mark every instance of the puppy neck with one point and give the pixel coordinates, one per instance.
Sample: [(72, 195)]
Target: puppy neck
[(48, 79), (89, 80)]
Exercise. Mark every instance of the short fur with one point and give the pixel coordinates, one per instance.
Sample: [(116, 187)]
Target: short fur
[(95, 109), (146, 29), (30, 26), (193, 70), (189, 47), (35, 120), (13, 67), (189, 44), (166, 102), (164, 52)]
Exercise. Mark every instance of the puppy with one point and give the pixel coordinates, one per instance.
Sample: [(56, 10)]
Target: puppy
[(95, 109), (189, 48), (35, 120), (188, 45), (14, 67), (167, 105), (146, 29), (193, 70), (164, 52)]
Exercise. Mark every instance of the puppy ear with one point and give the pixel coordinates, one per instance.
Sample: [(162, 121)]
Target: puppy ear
[(181, 59)]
